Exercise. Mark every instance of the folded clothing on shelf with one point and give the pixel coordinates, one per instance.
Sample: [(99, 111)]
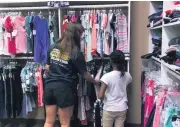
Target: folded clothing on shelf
[(155, 19), (177, 62), (168, 59), (174, 41), (157, 42), (172, 48), (172, 16)]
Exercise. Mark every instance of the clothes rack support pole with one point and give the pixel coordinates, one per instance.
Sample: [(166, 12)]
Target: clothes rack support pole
[(59, 18), (129, 24)]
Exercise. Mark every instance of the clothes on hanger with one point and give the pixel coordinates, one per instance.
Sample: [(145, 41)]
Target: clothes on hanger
[(30, 34), (104, 32), (159, 101), (21, 98)]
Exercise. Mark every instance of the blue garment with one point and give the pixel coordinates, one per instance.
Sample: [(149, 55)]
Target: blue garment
[(41, 44)]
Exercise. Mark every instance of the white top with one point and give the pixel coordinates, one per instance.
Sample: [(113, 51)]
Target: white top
[(116, 95)]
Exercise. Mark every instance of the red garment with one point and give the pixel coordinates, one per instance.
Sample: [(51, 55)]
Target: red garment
[(64, 24), (73, 18), (148, 106), (169, 11), (178, 61), (176, 2), (40, 87), (9, 27)]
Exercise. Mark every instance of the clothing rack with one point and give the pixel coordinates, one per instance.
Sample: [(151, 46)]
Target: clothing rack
[(96, 6), (27, 8), (68, 7), (16, 58)]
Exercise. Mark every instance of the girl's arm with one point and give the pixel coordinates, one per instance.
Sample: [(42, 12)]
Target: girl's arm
[(47, 67), (102, 91)]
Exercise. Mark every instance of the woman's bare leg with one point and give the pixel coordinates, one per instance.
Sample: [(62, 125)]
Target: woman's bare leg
[(65, 116), (51, 112)]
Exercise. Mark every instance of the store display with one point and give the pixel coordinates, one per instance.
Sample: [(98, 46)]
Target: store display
[(33, 30), (28, 34), (104, 31), (20, 99), (160, 70)]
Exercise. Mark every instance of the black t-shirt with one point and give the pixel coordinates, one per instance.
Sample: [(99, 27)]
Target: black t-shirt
[(63, 68)]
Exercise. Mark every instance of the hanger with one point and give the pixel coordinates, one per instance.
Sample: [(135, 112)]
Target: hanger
[(40, 14), (50, 13), (20, 13), (120, 10)]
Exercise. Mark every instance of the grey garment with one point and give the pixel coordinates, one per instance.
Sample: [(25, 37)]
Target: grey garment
[(80, 86), (87, 88), (108, 28), (11, 89), (5, 95), (29, 38), (172, 100), (55, 27), (1, 98)]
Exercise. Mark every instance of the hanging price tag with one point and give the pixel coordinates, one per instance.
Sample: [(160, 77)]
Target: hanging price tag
[(27, 77), (27, 81), (97, 26), (150, 92), (31, 74), (34, 32), (8, 35), (14, 33), (23, 85), (52, 34)]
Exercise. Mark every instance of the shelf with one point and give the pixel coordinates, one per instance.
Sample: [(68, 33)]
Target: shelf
[(172, 24), (108, 58), (170, 67), (156, 28), (156, 59)]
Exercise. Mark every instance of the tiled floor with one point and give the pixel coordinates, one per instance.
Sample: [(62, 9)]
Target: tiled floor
[(29, 123), (39, 123)]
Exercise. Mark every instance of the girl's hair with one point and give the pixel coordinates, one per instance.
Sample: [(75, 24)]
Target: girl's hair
[(118, 60), (70, 40)]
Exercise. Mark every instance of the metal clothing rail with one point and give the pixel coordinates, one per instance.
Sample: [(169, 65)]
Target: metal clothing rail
[(68, 7), (15, 58), (96, 6), (27, 8)]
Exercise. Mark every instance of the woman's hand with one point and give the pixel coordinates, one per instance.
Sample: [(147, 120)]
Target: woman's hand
[(97, 82)]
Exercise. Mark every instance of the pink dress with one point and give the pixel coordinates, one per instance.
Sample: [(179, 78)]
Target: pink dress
[(93, 35), (20, 40)]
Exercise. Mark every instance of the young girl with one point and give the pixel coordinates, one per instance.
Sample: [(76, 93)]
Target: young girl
[(113, 92)]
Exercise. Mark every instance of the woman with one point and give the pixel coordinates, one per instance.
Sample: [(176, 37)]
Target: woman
[(65, 61)]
